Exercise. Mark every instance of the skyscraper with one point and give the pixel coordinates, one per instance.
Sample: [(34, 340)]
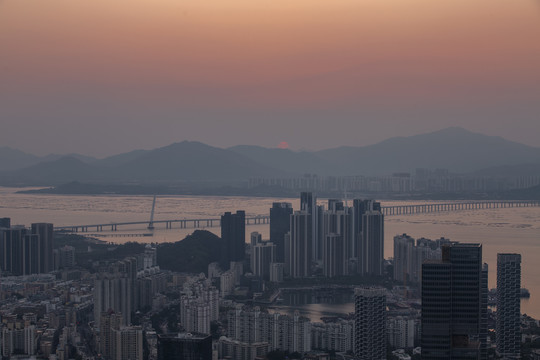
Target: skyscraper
[(262, 255), (46, 239), (11, 250), (108, 322), (280, 224), (233, 236), (255, 238), (454, 304), (299, 245), (308, 204), (508, 305), (5, 222), (403, 250), (370, 323), (113, 290), (337, 231), (371, 257)]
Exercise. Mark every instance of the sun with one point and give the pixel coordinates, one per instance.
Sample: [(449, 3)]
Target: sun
[(283, 145)]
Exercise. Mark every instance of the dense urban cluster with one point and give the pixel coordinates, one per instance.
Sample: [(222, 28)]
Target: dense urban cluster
[(430, 301), (421, 181)]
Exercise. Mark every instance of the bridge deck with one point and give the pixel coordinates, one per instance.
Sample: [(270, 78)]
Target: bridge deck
[(265, 219)]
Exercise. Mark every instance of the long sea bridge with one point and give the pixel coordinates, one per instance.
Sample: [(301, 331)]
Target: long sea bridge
[(394, 210)]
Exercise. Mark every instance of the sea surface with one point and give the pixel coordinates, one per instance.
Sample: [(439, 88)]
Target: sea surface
[(515, 230)]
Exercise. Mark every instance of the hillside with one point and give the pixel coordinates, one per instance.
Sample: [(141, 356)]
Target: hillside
[(193, 254)]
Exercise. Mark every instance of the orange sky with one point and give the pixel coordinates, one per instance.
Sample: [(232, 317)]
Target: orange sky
[(255, 57)]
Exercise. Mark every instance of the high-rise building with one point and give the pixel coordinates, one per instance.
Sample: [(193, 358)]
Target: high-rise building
[(108, 322), (370, 337), (262, 255), (128, 343), (185, 346), (371, 257), (408, 257), (508, 305), (276, 272), (281, 332), (195, 315), (113, 291), (337, 233), (336, 335), (12, 250), (401, 331), (454, 304), (65, 257), (233, 236), (308, 204), (18, 337), (333, 250), (5, 222), (280, 224), (31, 258), (255, 238), (46, 238), (299, 245), (403, 254)]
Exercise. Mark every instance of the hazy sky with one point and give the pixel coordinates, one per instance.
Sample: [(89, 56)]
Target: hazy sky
[(105, 76)]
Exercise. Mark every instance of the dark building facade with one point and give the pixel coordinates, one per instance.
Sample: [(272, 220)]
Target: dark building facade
[(5, 222), (46, 239), (508, 305), (233, 235), (371, 256), (454, 304), (280, 224), (308, 204), (12, 250), (184, 346), (299, 245)]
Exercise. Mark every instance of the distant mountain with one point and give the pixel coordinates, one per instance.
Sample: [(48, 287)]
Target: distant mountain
[(63, 170), (194, 161), (180, 162), (54, 157), (121, 159), (12, 159), (455, 149), (300, 162)]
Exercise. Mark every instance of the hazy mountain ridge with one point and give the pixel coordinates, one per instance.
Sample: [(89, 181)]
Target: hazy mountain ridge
[(456, 149), (180, 162), (13, 159)]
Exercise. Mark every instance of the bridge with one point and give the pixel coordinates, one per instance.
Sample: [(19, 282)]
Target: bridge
[(265, 219), (455, 206)]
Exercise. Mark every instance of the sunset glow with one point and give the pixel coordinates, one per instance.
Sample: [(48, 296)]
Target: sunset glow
[(189, 59)]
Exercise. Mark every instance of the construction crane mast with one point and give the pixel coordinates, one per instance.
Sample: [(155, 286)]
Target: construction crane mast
[(151, 223)]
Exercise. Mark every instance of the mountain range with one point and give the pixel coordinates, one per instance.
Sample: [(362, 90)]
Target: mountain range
[(455, 149)]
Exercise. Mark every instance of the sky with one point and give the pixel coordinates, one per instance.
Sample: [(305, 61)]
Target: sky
[(102, 77)]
